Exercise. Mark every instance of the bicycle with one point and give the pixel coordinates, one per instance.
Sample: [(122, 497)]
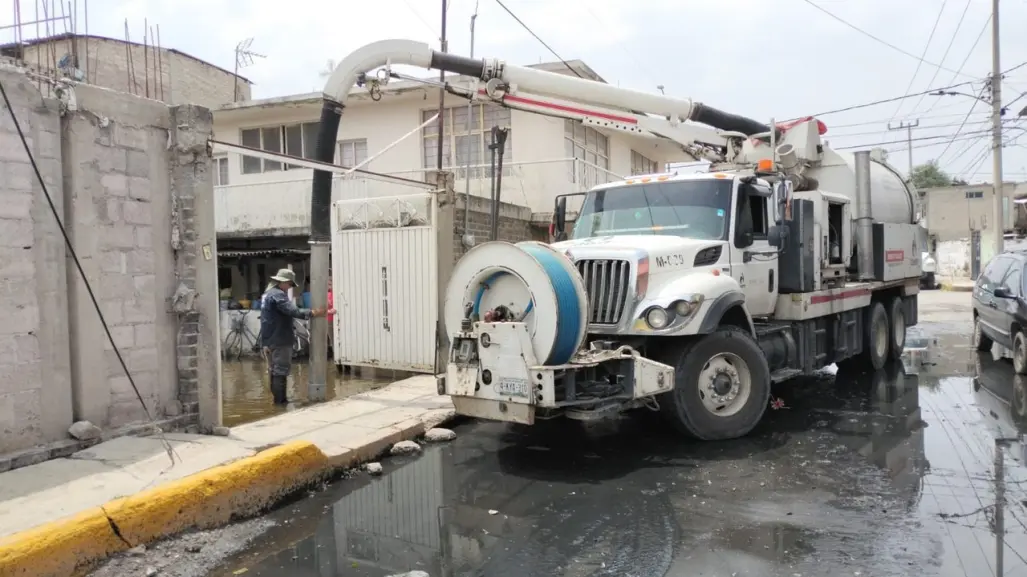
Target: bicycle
[(238, 336)]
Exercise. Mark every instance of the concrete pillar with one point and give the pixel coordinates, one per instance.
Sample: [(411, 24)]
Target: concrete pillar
[(195, 245), (445, 256)]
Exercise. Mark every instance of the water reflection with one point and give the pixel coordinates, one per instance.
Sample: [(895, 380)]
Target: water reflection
[(247, 396), (827, 483)]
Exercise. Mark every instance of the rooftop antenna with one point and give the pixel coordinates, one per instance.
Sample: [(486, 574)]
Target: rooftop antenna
[(660, 88), (243, 58)]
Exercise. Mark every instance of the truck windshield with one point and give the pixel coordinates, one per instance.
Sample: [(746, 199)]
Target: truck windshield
[(691, 208)]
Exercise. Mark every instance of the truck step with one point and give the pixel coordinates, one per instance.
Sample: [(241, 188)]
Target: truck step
[(783, 375)]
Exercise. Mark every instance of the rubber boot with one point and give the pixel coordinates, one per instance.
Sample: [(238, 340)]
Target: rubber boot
[(278, 389)]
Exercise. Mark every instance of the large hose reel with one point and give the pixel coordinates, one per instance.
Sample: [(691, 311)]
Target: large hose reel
[(527, 282)]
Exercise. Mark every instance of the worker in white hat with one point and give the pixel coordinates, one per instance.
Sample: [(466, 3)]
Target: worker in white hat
[(277, 330)]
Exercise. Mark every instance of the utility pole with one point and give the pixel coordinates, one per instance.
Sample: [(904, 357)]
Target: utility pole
[(998, 192), (468, 237), (908, 127), (444, 46)]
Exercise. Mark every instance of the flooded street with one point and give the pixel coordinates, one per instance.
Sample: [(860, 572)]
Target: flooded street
[(918, 469), (247, 396)]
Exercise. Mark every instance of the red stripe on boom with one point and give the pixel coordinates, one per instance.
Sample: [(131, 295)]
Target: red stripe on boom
[(570, 109)]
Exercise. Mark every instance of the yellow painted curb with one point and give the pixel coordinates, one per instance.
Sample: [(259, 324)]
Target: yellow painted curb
[(947, 286), (207, 499)]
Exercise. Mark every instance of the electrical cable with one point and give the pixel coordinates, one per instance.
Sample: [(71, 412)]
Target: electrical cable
[(885, 120), (923, 55), (961, 125), (75, 259), (905, 140), (966, 59), (543, 42), (883, 101), (875, 38)]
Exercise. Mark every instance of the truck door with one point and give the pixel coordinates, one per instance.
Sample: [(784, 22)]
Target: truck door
[(753, 260)]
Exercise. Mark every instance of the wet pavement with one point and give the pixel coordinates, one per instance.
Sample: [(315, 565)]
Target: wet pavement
[(912, 470), (247, 396)]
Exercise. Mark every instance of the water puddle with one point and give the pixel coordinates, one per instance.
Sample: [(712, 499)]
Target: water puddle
[(247, 396), (916, 469)]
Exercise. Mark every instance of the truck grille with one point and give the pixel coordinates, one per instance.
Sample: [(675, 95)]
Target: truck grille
[(606, 284)]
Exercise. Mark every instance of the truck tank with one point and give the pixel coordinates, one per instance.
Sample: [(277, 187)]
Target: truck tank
[(891, 199)]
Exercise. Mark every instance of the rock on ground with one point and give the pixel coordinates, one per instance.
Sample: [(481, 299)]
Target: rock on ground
[(405, 448), (411, 574), (374, 468), (84, 431), (438, 435)]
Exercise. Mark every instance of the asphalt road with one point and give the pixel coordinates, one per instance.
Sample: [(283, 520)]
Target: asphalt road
[(888, 474)]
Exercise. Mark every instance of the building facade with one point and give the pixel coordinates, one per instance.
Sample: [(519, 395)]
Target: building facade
[(263, 206), (165, 74), (952, 212)]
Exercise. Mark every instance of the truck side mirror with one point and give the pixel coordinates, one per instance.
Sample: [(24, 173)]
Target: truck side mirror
[(560, 218), (776, 235)]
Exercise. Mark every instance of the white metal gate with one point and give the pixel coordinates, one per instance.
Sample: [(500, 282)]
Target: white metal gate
[(385, 280)]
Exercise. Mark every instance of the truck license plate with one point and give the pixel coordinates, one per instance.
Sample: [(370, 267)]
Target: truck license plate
[(513, 387)]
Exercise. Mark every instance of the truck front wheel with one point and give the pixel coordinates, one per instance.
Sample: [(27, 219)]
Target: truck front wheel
[(721, 385)]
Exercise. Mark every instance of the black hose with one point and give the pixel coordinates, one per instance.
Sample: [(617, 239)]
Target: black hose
[(725, 121), (321, 192), (474, 67)]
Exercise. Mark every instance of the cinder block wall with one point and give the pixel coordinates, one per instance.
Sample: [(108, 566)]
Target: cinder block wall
[(128, 176), (514, 223), (35, 378)]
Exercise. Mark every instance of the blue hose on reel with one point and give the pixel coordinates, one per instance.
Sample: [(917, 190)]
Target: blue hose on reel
[(568, 313)]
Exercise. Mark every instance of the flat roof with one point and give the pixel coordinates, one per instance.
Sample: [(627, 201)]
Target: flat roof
[(395, 87), (72, 35)]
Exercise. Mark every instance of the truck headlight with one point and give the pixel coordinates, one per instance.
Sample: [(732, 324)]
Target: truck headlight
[(657, 317), (687, 306)]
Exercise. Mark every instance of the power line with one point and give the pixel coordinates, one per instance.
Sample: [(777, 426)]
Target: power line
[(923, 55), (875, 38), (541, 41), (887, 100), (897, 98), (961, 125), (921, 127), (952, 40), (885, 120), (907, 140)]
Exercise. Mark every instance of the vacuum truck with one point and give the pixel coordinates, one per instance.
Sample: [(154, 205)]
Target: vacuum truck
[(686, 294)]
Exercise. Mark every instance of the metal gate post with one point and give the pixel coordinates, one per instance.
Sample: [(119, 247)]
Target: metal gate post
[(445, 259)]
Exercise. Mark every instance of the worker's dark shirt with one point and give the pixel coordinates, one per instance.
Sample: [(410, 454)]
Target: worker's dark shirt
[(277, 328)]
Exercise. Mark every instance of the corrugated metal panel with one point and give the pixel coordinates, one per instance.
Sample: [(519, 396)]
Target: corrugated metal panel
[(386, 295)]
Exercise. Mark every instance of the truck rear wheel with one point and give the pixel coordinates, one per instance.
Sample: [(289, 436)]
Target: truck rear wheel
[(897, 332), (721, 386), (877, 343)]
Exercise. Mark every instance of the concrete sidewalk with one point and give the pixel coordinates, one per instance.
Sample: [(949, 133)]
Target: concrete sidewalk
[(65, 514)]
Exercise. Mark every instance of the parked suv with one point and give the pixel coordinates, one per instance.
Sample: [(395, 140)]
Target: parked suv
[(1000, 309)]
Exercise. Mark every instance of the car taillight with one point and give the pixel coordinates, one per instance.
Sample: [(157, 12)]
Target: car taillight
[(642, 278)]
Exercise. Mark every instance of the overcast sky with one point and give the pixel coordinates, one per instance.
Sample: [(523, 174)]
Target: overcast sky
[(761, 58)]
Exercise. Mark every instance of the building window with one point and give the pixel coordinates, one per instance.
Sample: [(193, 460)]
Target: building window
[(643, 165), (471, 147), (586, 143), (352, 152), (220, 170), (974, 194), (292, 139)]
